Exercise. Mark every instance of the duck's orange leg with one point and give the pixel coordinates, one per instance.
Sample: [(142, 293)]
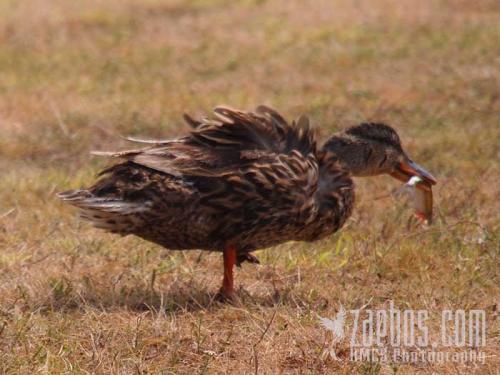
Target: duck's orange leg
[(227, 289)]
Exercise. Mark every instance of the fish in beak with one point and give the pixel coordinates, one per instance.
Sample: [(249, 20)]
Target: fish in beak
[(407, 169), (418, 177)]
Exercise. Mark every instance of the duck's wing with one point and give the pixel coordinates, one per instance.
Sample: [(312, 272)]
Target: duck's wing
[(232, 140), (267, 174), (243, 161), (264, 130)]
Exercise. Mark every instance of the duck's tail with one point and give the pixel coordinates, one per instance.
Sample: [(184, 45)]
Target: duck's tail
[(112, 214)]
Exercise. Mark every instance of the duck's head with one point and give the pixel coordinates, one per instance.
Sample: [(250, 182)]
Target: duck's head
[(371, 149)]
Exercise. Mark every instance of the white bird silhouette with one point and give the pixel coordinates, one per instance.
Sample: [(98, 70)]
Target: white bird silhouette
[(335, 325)]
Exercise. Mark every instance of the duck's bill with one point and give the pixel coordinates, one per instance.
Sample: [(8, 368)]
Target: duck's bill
[(423, 201), (406, 170)]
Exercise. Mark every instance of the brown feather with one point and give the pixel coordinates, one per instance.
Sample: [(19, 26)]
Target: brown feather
[(248, 178)]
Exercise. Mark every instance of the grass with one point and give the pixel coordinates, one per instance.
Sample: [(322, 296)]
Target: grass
[(74, 76)]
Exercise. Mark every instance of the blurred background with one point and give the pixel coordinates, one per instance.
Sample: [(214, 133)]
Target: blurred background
[(75, 76)]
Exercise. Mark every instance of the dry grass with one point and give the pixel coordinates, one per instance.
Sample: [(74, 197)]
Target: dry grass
[(76, 75)]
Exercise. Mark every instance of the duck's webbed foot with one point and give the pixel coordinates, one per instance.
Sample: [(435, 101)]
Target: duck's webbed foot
[(246, 257), (232, 258)]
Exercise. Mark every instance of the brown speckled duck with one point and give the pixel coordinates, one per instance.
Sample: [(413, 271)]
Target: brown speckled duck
[(240, 182)]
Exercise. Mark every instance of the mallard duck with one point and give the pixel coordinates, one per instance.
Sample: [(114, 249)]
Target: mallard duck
[(241, 181)]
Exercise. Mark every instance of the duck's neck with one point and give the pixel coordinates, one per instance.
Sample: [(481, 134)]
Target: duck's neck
[(335, 172)]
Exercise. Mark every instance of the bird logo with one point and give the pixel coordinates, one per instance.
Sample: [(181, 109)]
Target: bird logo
[(335, 325)]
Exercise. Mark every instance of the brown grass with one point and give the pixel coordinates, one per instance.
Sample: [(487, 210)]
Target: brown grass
[(76, 75)]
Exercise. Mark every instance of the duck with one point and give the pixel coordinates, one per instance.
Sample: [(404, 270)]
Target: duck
[(240, 181)]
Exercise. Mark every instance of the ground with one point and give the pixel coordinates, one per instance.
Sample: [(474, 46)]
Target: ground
[(76, 76)]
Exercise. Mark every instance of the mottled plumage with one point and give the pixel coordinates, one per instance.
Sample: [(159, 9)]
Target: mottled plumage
[(240, 180)]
